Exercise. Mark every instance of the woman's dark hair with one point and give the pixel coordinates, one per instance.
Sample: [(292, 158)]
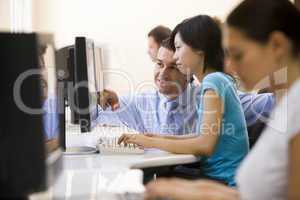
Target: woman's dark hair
[(202, 33), (257, 19)]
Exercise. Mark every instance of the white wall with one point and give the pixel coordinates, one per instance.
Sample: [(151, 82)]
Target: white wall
[(4, 15), (121, 28)]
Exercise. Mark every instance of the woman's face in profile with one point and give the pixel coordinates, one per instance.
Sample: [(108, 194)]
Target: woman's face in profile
[(251, 60), (188, 61)]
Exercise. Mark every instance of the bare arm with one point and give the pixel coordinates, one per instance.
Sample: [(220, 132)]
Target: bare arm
[(174, 137), (181, 137), (203, 144), (294, 169)]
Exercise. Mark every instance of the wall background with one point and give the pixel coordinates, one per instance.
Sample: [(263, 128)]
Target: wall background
[(4, 15), (120, 27)]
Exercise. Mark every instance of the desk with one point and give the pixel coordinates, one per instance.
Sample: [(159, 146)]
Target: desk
[(86, 176), (151, 158)]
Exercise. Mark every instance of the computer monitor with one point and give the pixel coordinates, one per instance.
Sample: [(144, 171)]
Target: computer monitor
[(66, 77), (86, 85), (66, 66), (30, 125)]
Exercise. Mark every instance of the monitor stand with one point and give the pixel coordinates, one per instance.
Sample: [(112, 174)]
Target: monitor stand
[(80, 150)]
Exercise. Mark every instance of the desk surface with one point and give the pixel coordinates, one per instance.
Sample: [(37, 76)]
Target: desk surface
[(151, 158), (86, 176)]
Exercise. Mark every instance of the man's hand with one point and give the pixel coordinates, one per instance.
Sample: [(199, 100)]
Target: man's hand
[(108, 98)]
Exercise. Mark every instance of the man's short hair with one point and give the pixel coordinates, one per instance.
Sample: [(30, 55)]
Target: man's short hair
[(167, 44), (160, 33)]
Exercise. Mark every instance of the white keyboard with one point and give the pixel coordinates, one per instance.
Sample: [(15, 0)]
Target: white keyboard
[(109, 145)]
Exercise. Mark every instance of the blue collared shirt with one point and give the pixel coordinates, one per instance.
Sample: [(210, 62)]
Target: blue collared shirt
[(151, 112), (256, 106)]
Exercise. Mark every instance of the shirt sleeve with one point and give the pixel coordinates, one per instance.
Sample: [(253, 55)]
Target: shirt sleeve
[(213, 82), (217, 83), (127, 114), (256, 106)]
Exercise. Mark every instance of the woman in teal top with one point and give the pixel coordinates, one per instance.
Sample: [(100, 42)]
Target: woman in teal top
[(232, 145), (222, 138)]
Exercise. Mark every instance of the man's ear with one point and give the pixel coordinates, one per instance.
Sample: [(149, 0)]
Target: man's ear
[(279, 44)]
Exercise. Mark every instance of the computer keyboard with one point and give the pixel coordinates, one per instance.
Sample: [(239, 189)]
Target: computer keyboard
[(109, 145), (105, 138)]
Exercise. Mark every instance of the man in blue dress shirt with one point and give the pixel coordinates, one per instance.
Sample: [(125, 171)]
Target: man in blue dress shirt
[(171, 109)]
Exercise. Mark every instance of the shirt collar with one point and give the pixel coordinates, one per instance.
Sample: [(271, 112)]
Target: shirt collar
[(183, 99)]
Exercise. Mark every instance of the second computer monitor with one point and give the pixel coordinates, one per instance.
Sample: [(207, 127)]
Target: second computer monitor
[(85, 83)]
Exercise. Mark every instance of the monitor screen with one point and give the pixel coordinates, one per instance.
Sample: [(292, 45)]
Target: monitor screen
[(66, 66), (86, 86)]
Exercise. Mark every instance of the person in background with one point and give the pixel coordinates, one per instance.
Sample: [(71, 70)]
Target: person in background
[(257, 106), (263, 38), (49, 105), (221, 136), (155, 38)]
